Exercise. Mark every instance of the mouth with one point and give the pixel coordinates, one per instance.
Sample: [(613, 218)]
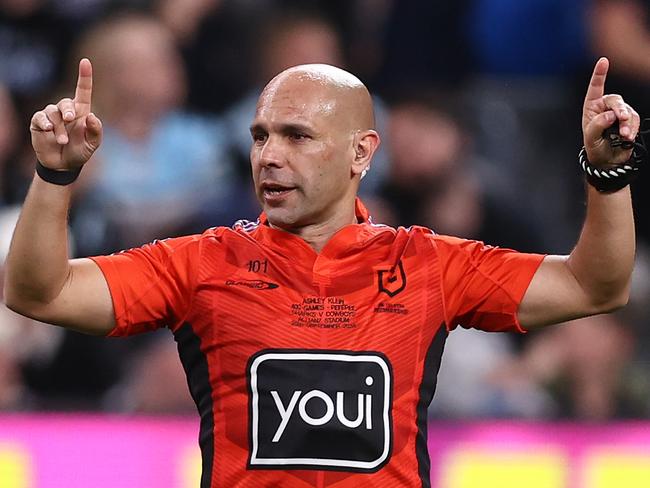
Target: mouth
[(275, 192)]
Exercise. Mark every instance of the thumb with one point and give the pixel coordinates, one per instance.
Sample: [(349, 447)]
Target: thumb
[(93, 133)]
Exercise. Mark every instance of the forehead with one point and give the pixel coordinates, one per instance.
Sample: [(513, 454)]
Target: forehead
[(299, 101)]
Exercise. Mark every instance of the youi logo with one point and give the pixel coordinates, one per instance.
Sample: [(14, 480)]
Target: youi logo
[(319, 410)]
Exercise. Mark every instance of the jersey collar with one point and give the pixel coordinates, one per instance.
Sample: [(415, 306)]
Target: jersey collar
[(360, 211), (345, 243)]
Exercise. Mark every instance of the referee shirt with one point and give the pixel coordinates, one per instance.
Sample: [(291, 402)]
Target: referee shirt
[(315, 369)]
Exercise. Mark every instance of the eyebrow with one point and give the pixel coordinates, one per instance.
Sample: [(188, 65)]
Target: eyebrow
[(284, 128)]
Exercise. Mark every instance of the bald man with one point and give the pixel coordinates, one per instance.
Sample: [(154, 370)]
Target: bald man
[(312, 338)]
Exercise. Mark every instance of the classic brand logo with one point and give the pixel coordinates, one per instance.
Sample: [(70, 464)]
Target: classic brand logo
[(319, 410)]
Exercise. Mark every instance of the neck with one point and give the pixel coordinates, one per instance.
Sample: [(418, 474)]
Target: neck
[(318, 234)]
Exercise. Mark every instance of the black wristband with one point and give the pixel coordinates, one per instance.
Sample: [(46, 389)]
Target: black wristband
[(613, 178), (57, 177), (610, 179)]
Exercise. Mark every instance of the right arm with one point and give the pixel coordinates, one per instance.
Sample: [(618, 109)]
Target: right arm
[(40, 281)]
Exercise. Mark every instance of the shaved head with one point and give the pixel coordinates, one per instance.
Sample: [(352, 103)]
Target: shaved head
[(339, 90), (313, 139)]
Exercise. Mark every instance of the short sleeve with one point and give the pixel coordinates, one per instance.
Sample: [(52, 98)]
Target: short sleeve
[(151, 286), (483, 285)]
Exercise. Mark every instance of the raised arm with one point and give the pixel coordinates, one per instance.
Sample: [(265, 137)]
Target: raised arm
[(40, 280), (595, 277)]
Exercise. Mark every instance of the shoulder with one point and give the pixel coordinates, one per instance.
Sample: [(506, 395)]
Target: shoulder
[(224, 236)]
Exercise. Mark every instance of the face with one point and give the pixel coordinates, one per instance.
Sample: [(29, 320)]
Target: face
[(145, 70), (301, 154)]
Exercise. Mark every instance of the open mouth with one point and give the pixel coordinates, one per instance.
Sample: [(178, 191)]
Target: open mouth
[(274, 191)]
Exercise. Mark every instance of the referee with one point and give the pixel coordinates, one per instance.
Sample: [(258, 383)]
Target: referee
[(312, 337)]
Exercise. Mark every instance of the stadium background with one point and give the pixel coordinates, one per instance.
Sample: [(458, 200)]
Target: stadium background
[(478, 103)]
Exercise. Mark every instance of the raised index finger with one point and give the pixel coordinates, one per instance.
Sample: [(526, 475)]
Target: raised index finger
[(597, 83), (84, 90)]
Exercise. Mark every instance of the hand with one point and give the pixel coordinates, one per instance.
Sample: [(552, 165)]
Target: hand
[(599, 112), (66, 135)]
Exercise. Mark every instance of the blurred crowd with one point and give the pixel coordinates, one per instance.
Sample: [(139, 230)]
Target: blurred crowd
[(478, 105)]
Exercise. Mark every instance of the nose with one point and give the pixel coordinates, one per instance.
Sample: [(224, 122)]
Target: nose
[(272, 153)]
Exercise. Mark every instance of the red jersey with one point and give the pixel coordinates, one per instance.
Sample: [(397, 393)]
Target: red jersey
[(315, 369)]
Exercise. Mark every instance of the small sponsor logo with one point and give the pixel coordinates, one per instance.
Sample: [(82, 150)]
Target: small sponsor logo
[(319, 410), (254, 284), (392, 281), (394, 308)]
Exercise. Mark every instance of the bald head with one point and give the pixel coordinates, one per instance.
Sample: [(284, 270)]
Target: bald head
[(333, 91), (313, 139)]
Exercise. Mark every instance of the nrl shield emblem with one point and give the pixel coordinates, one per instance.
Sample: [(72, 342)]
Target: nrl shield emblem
[(392, 281)]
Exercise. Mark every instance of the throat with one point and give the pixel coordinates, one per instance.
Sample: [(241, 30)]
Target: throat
[(317, 235)]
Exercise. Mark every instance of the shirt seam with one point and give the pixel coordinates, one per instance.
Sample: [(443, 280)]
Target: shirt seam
[(195, 280), (476, 267)]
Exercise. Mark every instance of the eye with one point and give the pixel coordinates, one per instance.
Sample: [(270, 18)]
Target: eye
[(298, 136), (259, 137)]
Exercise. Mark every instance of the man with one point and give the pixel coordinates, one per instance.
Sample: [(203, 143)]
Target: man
[(311, 338)]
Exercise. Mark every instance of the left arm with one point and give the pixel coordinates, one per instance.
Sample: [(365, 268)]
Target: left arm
[(595, 277)]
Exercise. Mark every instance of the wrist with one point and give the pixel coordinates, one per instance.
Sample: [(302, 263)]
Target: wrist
[(57, 177), (612, 178)]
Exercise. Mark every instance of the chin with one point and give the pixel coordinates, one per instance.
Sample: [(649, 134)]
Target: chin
[(281, 217)]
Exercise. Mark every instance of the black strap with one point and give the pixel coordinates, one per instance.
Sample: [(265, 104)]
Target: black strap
[(612, 178), (57, 177)]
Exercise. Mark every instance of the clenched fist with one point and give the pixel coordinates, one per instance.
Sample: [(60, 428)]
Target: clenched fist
[(66, 135)]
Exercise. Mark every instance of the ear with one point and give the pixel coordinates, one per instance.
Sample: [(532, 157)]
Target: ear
[(364, 144)]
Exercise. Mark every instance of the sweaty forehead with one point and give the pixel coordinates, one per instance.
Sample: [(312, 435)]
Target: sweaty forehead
[(297, 98), (316, 93)]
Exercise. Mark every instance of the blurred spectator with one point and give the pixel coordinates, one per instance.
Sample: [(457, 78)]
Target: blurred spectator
[(8, 140), (636, 315), (620, 30), (16, 155), (218, 54), (594, 368), (472, 381), (161, 170), (523, 97), (437, 181), (291, 38), (155, 382), (184, 17), (35, 38), (32, 44), (223, 40), (361, 26), (581, 362)]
